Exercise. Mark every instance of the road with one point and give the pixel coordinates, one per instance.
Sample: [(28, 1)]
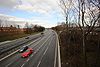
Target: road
[(44, 55)]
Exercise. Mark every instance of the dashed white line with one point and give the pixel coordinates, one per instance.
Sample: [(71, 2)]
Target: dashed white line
[(15, 51), (8, 64), (22, 65), (27, 59), (37, 49), (43, 55)]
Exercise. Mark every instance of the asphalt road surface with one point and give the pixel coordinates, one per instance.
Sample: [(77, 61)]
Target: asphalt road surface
[(44, 53)]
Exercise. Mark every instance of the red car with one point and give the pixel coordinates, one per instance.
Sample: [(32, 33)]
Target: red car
[(27, 53)]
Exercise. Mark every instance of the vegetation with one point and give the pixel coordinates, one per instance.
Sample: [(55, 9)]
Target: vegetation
[(10, 33), (72, 47), (80, 34)]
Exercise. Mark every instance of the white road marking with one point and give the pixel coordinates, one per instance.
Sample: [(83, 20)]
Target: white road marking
[(42, 57), (41, 45), (8, 64), (43, 54), (18, 49), (22, 65), (15, 51), (27, 59), (8, 55), (37, 49), (59, 59), (4, 42), (55, 51)]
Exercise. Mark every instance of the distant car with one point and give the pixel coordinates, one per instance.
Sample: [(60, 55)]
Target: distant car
[(27, 38), (24, 48), (42, 33), (27, 53)]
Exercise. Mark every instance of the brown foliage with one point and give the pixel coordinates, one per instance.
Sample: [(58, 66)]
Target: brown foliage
[(71, 48)]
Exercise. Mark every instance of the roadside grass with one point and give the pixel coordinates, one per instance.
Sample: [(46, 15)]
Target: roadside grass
[(12, 37), (71, 51)]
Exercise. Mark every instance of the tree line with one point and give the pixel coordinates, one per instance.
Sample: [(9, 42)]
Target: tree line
[(80, 32)]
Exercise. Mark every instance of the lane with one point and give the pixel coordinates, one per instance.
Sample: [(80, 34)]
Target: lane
[(15, 57), (5, 47), (18, 49), (23, 60), (20, 40), (44, 58), (15, 43), (48, 60), (44, 54), (34, 60)]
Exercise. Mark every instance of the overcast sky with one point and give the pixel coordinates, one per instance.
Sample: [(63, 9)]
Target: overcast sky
[(43, 12)]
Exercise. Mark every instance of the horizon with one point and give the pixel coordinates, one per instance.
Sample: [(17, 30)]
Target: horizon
[(45, 13)]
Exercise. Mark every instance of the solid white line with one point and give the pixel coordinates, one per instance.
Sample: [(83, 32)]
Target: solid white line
[(55, 52), (38, 49), (59, 59), (15, 51), (8, 55), (1, 43), (43, 55)]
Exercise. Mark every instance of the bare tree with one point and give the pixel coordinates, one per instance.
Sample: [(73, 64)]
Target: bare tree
[(82, 8), (88, 17), (26, 25), (88, 13), (66, 6)]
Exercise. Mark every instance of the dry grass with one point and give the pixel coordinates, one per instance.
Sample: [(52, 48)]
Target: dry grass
[(71, 50)]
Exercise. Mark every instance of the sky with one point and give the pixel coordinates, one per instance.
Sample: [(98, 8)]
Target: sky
[(46, 13)]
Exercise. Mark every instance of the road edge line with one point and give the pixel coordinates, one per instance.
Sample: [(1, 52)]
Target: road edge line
[(55, 51), (59, 58), (58, 50), (16, 51)]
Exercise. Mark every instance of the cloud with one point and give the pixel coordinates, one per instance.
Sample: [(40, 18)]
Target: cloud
[(47, 8), (39, 6), (8, 3), (21, 21)]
